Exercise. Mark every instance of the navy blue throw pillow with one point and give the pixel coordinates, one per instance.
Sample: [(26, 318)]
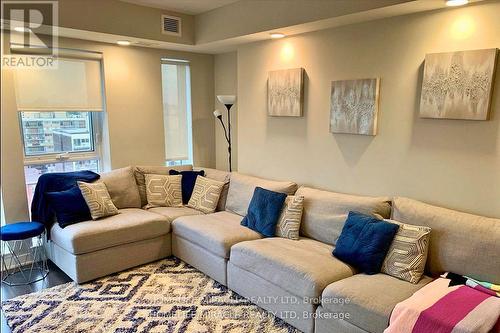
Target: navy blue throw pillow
[(69, 206), (188, 180), (364, 242), (264, 211)]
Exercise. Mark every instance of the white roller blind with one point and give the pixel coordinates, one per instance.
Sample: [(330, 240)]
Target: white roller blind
[(176, 110), (75, 85)]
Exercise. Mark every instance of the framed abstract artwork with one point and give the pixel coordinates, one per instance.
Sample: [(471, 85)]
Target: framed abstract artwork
[(458, 85), (354, 106), (285, 92)]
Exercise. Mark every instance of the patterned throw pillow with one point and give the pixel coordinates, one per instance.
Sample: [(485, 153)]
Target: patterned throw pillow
[(289, 222), (163, 191), (407, 255), (97, 197), (206, 194)]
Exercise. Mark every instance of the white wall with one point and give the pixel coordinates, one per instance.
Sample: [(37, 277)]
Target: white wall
[(226, 83), (134, 110), (451, 163)]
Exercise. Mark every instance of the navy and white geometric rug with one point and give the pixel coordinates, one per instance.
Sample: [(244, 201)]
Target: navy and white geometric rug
[(164, 296)]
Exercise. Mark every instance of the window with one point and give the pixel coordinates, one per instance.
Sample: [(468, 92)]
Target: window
[(58, 142), (60, 118), (176, 84)]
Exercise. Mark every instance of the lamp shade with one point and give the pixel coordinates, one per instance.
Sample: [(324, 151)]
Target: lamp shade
[(227, 99), (217, 114)]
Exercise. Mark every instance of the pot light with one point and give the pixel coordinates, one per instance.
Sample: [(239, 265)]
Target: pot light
[(277, 35), (454, 3), (123, 42)]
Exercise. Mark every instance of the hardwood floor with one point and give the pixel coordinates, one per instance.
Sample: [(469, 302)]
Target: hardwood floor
[(55, 277)]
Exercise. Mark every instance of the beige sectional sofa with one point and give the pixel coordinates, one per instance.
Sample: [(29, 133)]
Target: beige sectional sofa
[(298, 280)]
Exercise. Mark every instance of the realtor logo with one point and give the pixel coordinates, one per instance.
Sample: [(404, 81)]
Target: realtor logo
[(31, 39)]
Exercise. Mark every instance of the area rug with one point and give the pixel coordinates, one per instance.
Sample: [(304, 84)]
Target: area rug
[(165, 296)]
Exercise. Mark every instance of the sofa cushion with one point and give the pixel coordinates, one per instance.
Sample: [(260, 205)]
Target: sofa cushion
[(241, 188), (303, 267), (69, 206), (187, 182), (407, 255), (264, 211), (140, 171), (215, 232), (222, 176), (461, 243), (289, 222), (368, 299), (364, 242), (325, 212), (171, 213), (206, 194), (163, 191), (122, 187), (97, 197), (131, 225)]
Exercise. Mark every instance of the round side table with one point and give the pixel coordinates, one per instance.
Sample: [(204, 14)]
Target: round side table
[(24, 260)]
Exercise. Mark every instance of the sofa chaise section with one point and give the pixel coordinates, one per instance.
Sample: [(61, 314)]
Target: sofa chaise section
[(205, 241), (92, 249), (294, 273), (300, 269)]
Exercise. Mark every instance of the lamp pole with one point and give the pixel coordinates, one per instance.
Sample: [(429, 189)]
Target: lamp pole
[(228, 101), (228, 107)]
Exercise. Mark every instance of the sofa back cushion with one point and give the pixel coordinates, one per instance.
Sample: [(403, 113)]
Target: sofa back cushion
[(221, 176), (460, 243), (325, 212), (122, 187), (141, 170), (241, 188)]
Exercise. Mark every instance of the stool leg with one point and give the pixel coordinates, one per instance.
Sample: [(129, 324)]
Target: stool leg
[(34, 256)]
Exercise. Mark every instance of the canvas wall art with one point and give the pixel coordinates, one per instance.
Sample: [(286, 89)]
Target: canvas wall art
[(458, 85), (285, 92), (354, 106)]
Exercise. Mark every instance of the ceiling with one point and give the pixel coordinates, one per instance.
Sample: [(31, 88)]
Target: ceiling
[(191, 7)]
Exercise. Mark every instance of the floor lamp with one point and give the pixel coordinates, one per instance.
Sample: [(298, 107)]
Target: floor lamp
[(228, 101)]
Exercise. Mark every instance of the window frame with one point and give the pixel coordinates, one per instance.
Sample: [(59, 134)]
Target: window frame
[(189, 111), (51, 158)]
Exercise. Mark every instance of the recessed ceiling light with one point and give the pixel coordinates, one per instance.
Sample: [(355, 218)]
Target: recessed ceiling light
[(277, 35), (454, 3), (21, 29), (123, 42)]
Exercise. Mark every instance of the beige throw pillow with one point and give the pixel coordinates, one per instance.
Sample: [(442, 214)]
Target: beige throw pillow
[(163, 190), (206, 194), (407, 255), (97, 197), (289, 222)]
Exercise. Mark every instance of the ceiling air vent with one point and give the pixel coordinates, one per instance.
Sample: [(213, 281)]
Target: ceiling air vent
[(171, 25)]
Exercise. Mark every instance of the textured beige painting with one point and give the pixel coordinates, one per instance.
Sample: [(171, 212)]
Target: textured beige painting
[(458, 85), (285, 92), (354, 106)]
